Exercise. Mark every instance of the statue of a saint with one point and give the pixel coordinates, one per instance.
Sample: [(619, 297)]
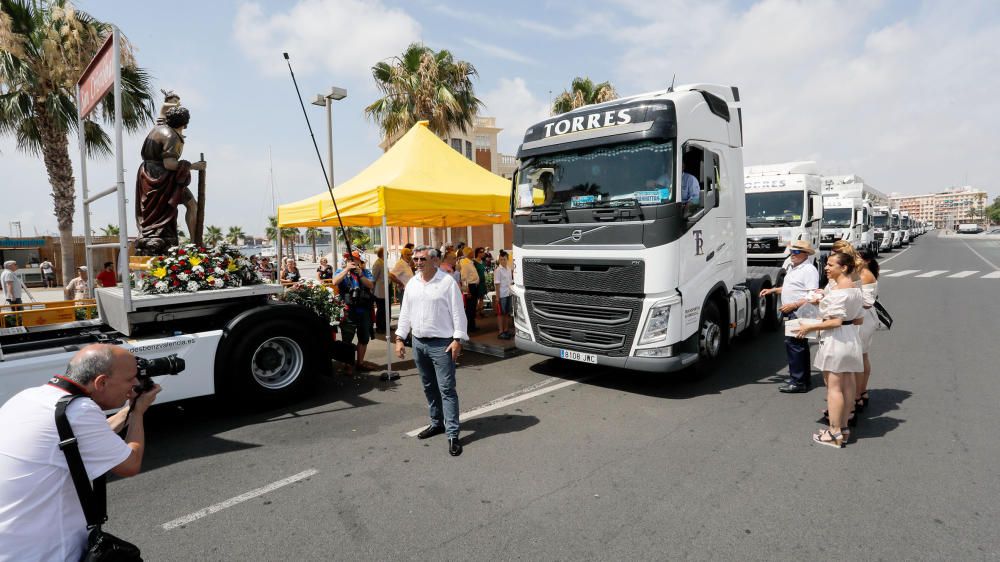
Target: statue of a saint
[(162, 183)]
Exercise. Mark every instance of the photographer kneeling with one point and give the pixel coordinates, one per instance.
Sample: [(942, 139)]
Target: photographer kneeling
[(41, 517), (355, 284)]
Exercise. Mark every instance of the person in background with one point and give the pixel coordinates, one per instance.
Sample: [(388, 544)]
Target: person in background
[(840, 353), (10, 284), (801, 277), (266, 269), (503, 279), (469, 286), (488, 259), (484, 288), (290, 272), (48, 273), (378, 272), (449, 265), (869, 294), (107, 277), (402, 271), (432, 312), (77, 288), (324, 271), (355, 284)]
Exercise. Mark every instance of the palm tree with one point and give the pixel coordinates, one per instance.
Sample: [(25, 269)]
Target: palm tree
[(358, 236), (234, 234), (423, 84), (583, 92), (312, 234), (44, 48), (213, 235), (290, 235), (287, 234), (110, 230)]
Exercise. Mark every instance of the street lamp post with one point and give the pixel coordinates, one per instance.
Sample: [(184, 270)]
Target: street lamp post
[(327, 101)]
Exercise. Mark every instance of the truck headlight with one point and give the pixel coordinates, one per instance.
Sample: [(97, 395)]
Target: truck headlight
[(656, 323)]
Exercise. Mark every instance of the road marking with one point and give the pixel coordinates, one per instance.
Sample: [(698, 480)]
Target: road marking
[(887, 260), (993, 265), (238, 499), (934, 273), (994, 275), (504, 401), (885, 270), (902, 273), (962, 274)]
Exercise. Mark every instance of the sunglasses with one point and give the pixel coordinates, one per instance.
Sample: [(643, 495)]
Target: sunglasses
[(795, 252), (419, 259)]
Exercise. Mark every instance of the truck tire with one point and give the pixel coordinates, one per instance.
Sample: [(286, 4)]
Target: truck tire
[(711, 335), (758, 307), (272, 361)]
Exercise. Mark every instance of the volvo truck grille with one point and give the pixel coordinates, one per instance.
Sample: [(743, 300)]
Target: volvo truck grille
[(604, 324), (618, 277)]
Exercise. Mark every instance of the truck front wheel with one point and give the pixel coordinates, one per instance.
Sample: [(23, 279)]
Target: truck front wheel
[(710, 334)]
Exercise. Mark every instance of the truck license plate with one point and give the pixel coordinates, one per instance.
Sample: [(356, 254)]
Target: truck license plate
[(578, 356)]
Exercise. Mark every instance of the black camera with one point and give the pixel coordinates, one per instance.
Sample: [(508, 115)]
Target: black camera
[(149, 368)]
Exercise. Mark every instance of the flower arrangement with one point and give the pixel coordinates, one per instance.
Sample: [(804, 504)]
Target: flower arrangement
[(317, 297), (191, 268)]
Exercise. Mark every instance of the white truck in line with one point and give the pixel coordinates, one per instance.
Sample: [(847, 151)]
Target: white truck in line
[(882, 224), (784, 203), (615, 263), (851, 192), (906, 227), (894, 227)]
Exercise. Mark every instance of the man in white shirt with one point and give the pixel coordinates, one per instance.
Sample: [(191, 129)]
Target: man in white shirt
[(48, 273), (40, 514), (801, 277), (433, 311), (78, 288), (9, 283)]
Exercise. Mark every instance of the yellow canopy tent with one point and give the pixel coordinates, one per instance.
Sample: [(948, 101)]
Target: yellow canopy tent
[(420, 181)]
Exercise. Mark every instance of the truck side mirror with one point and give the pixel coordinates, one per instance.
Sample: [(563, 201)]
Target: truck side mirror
[(817, 208), (710, 199)]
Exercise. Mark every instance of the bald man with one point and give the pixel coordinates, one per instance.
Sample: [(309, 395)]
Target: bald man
[(40, 514)]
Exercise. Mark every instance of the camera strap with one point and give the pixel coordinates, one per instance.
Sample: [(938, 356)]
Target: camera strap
[(93, 498)]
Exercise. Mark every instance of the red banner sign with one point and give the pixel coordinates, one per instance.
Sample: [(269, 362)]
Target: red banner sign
[(98, 78)]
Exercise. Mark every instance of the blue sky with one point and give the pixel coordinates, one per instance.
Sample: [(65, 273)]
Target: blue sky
[(897, 92)]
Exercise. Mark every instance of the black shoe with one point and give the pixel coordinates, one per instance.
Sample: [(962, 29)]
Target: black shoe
[(791, 388), (454, 447), (431, 431)]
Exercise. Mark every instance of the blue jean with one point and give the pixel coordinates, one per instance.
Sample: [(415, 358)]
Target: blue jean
[(437, 372), (797, 349)]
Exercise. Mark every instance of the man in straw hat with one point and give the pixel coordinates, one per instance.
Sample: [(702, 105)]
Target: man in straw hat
[(801, 277)]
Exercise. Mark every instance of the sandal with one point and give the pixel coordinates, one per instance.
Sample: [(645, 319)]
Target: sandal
[(830, 439), (847, 434), (862, 402)]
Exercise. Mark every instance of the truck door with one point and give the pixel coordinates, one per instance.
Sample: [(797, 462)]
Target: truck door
[(701, 249)]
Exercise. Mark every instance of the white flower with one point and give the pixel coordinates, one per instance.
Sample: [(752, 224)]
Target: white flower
[(182, 276), (197, 269), (219, 283), (192, 286), (220, 271), (161, 286)]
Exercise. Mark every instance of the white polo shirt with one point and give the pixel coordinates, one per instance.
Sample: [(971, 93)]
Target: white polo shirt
[(799, 280), (433, 309), (40, 514)]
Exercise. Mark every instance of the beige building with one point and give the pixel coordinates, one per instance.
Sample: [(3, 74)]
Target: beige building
[(478, 144), (945, 209)]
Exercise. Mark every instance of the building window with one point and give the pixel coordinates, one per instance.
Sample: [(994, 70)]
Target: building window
[(457, 145), (468, 150), (482, 142)]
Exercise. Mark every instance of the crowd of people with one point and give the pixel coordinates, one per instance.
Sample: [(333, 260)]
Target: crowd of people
[(843, 319)]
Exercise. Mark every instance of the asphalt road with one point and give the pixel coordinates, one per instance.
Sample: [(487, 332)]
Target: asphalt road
[(615, 466)]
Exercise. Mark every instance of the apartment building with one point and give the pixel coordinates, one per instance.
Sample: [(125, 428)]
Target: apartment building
[(947, 208)]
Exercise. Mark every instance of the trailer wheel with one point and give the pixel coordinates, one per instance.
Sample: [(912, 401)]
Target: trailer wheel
[(758, 308), (272, 360)]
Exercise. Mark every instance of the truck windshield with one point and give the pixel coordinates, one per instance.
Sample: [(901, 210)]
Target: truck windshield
[(776, 207), (836, 217), (881, 220), (642, 172)]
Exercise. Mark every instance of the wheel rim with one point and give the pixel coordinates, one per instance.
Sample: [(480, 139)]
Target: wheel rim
[(761, 309), (277, 363), (711, 339)]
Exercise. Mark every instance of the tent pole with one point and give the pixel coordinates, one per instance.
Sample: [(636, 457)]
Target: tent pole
[(388, 375)]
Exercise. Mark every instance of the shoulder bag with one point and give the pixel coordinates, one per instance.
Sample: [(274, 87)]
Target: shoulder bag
[(101, 546), (884, 319)]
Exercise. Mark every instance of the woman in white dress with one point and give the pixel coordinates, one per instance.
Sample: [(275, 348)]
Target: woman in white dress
[(869, 294), (840, 354)]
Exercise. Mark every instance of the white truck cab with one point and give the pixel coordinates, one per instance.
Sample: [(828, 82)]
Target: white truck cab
[(846, 219), (784, 203), (894, 227), (881, 225)]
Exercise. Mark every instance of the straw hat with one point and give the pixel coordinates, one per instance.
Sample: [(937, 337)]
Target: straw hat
[(802, 245)]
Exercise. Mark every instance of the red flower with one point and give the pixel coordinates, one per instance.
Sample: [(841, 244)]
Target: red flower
[(188, 271), (181, 252), (173, 268)]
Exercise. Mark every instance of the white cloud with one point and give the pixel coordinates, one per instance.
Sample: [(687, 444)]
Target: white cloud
[(516, 109), (336, 36), (499, 52)]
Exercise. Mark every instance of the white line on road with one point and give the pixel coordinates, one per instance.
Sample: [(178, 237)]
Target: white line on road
[(902, 273), (993, 265), (887, 260), (962, 274), (504, 401), (934, 273), (994, 275), (238, 499)]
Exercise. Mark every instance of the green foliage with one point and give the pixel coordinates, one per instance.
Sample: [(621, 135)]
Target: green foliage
[(358, 236), (213, 235), (583, 92), (315, 296), (993, 211)]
